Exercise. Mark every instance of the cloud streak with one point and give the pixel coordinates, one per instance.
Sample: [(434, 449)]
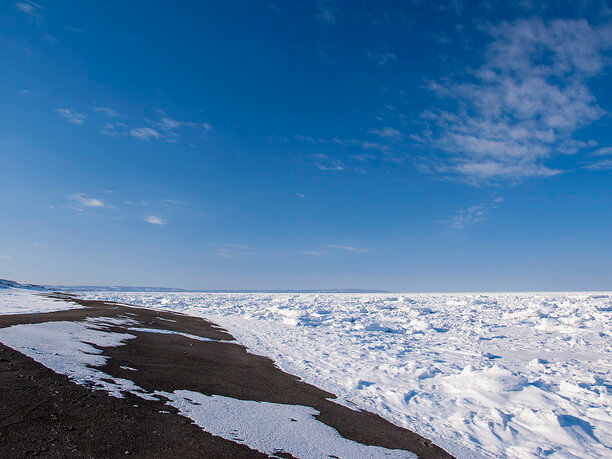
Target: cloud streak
[(233, 250), (72, 116), (29, 8), (346, 248), (325, 163), (381, 58), (85, 201), (109, 112), (145, 133), (155, 220), (474, 214)]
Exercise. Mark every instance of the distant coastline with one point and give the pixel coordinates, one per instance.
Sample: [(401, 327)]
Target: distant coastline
[(115, 288)]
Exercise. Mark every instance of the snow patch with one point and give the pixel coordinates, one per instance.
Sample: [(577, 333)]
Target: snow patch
[(272, 427), (30, 301)]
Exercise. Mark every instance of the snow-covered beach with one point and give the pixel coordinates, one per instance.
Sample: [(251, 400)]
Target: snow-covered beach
[(75, 371), (500, 374)]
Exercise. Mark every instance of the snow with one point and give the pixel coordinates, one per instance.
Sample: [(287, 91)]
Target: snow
[(28, 301), (170, 332), (500, 374), (272, 427), (72, 349), (68, 348)]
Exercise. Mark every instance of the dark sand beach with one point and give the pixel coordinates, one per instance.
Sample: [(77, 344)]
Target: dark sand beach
[(45, 413)]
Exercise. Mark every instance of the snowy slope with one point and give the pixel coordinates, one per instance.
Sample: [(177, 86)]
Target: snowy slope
[(518, 375), (18, 298)]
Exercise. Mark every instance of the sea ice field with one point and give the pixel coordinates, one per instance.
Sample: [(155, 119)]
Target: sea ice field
[(481, 375)]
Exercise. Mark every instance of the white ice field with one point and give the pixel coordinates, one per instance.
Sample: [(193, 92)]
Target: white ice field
[(493, 375)]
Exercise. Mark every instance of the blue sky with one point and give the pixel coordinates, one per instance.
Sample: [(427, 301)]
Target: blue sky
[(410, 146)]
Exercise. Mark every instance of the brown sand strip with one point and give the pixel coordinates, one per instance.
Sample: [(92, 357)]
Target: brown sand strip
[(44, 405)]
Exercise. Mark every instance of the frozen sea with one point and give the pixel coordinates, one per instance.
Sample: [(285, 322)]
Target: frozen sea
[(498, 374)]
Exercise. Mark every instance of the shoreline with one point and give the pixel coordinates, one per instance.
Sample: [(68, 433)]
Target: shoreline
[(224, 369)]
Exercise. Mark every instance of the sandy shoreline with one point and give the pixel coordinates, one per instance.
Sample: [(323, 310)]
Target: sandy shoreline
[(58, 417)]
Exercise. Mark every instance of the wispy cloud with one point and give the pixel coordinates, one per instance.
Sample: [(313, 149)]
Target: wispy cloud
[(169, 124), (523, 104), (326, 12), (474, 214), (380, 58), (5, 256), (86, 201), (301, 195), (345, 248), (364, 144), (601, 165), (71, 115), (114, 129), (30, 8), (224, 253), (168, 202), (50, 38), (107, 111), (313, 252), (603, 151), (387, 132), (154, 220), (238, 246), (234, 250), (325, 163), (166, 129), (145, 133)]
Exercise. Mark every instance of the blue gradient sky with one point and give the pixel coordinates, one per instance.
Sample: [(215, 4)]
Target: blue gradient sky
[(412, 146)]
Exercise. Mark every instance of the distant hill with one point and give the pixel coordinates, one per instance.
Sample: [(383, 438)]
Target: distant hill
[(4, 283)]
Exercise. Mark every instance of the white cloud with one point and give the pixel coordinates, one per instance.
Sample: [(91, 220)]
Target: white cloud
[(325, 163), (234, 250), (312, 252), (71, 115), (145, 133), (601, 165), (225, 253), (107, 111), (523, 104), (312, 140), (301, 195), (5, 256), (603, 151), (387, 132), (345, 248), (472, 215), (25, 92), (87, 202), (154, 220), (28, 7), (166, 129), (168, 124)]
